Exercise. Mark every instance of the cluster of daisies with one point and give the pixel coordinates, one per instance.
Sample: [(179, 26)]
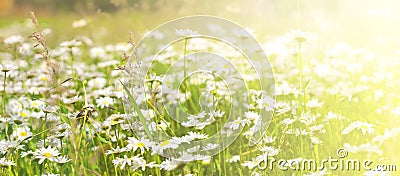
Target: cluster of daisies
[(74, 118)]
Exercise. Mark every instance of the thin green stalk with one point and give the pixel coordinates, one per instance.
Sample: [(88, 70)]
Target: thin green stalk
[(4, 103), (184, 59), (44, 134), (137, 109), (61, 141), (116, 135), (15, 54), (72, 63), (62, 169), (4, 94), (78, 147), (219, 157), (302, 86), (72, 56)]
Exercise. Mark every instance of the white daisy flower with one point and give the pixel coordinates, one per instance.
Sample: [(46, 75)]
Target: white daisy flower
[(48, 153), (148, 113), (114, 119), (97, 83), (234, 159), (314, 103), (97, 52), (167, 144), (197, 135), (7, 67), (236, 124), (169, 164), (252, 116), (185, 32), (387, 135), (134, 162), (300, 36), (25, 49), (48, 108), (269, 150), (143, 144), (79, 23), (62, 159), (162, 125), (268, 103), (36, 103), (14, 39), (368, 147), (269, 139), (72, 100), (210, 147), (116, 150), (396, 111), (71, 43), (104, 102), (5, 163), (363, 126), (216, 114), (251, 164), (331, 115), (21, 133)]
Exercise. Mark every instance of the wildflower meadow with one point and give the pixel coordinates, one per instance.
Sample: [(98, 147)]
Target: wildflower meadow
[(197, 94)]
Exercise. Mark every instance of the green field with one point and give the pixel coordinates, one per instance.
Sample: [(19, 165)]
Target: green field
[(78, 99)]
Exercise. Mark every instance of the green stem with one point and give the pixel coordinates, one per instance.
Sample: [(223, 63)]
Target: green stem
[(72, 63), (15, 52), (301, 83), (138, 111), (62, 169), (4, 103), (4, 93), (44, 124), (72, 56), (184, 59)]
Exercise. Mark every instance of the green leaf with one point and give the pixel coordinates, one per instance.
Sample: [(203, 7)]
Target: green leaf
[(136, 107), (103, 140)]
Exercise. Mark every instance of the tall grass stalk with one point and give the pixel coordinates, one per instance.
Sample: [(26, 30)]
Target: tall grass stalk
[(4, 93), (302, 85), (184, 57)]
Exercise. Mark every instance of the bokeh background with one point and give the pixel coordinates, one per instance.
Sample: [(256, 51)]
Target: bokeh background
[(348, 65), (364, 23)]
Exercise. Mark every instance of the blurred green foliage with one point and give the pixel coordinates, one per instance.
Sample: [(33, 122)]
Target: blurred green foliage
[(103, 5)]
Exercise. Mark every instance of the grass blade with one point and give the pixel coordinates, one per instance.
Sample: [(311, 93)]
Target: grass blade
[(136, 107)]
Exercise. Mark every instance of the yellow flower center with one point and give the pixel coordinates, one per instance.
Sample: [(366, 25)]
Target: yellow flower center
[(160, 127), (163, 144), (140, 144), (113, 122), (47, 154), (22, 133), (23, 114)]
